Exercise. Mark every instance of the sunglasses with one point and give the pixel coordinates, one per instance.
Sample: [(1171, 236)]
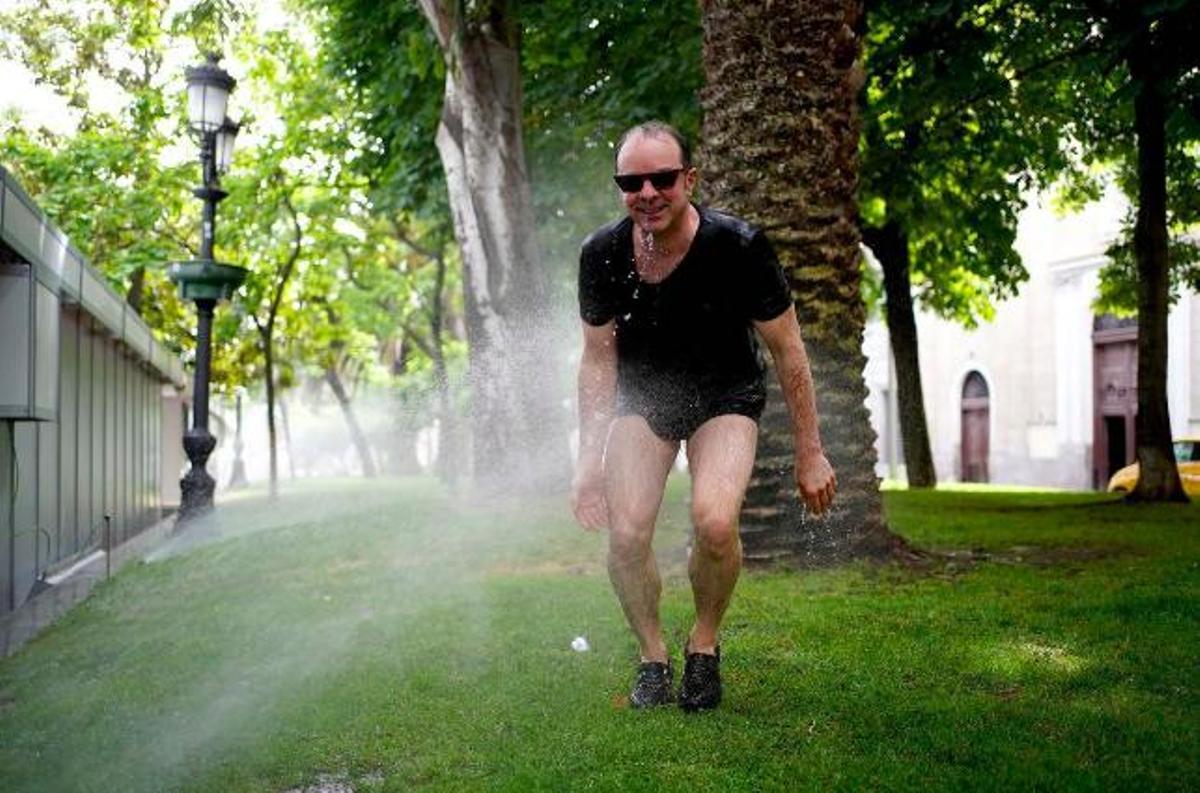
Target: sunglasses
[(659, 180)]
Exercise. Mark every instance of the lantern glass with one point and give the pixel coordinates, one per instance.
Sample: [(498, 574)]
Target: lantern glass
[(226, 136), (208, 95), (206, 105)]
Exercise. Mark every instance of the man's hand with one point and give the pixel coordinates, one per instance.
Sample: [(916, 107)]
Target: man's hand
[(587, 499), (815, 481)]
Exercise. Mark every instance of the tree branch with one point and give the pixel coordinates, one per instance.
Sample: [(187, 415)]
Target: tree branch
[(416, 338), (1091, 43), (291, 262), (401, 234), (440, 14)]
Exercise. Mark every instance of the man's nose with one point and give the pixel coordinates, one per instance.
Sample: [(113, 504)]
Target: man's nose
[(648, 190)]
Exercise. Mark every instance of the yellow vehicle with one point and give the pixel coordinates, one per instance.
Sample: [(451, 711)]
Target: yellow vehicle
[(1187, 458)]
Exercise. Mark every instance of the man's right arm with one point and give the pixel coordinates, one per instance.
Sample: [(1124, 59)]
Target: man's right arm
[(597, 402)]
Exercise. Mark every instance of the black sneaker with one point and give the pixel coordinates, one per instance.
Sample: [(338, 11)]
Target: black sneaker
[(701, 687), (653, 686)]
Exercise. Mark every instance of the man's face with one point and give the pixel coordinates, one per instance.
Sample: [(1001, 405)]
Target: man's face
[(655, 209)]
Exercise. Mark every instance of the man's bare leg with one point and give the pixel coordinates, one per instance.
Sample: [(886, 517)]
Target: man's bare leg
[(721, 459), (636, 464)]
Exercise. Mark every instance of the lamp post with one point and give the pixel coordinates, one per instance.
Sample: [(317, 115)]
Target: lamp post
[(204, 280)]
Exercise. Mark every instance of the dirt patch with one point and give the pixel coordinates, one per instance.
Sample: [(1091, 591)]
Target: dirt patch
[(1034, 555), (340, 783), (545, 568), (325, 784), (1006, 693)]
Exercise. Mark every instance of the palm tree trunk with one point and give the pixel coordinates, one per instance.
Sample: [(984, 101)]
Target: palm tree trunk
[(780, 149)]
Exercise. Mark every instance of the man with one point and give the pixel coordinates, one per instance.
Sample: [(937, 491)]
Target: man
[(670, 298)]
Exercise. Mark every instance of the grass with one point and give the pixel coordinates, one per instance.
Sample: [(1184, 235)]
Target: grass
[(384, 636)]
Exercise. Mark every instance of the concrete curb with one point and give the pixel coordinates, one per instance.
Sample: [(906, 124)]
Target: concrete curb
[(40, 611)]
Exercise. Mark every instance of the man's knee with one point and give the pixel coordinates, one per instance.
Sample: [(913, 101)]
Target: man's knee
[(628, 543), (716, 528)]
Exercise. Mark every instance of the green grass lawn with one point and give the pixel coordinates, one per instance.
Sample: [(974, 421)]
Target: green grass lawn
[(380, 635)]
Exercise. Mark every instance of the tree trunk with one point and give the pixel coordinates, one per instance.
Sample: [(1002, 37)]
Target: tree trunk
[(356, 433), (137, 290), (266, 332), (1158, 478), (269, 374), (287, 435), (449, 458), (780, 149), (890, 246), (518, 418)]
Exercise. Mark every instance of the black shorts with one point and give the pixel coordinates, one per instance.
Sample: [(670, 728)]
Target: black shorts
[(678, 419)]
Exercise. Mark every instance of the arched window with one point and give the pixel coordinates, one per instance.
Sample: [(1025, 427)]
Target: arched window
[(976, 417), (975, 387)]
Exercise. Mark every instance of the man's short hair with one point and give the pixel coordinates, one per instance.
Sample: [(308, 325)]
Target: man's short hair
[(656, 129)]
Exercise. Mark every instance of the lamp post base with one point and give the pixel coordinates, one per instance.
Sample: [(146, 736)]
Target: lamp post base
[(197, 486)]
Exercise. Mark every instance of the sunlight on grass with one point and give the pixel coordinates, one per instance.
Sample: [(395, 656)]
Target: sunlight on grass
[(1020, 660), (893, 485)]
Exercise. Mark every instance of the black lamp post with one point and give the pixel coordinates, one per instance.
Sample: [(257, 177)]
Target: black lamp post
[(205, 280)]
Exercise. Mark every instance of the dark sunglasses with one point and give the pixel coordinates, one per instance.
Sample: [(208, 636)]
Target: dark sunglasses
[(659, 180)]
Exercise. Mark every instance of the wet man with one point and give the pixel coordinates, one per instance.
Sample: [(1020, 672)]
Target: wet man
[(671, 297)]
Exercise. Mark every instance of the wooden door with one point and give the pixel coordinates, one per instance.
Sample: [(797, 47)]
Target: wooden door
[(1114, 367), (976, 417)]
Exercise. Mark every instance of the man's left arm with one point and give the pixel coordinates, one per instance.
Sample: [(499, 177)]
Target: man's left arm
[(815, 479)]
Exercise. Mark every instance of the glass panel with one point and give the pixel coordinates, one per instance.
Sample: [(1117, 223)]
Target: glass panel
[(225, 141), (206, 106), (196, 104), (975, 386)]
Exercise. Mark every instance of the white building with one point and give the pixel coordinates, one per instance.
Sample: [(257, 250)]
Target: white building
[(1045, 394)]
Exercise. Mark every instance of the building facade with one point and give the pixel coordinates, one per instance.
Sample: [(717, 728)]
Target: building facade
[(91, 408), (1046, 393)]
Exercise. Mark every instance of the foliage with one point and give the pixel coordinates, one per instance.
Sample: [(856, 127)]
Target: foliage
[(1098, 89), (386, 53), (108, 184), (972, 104), (113, 182), (957, 130), (590, 69), (1119, 278), (210, 23)]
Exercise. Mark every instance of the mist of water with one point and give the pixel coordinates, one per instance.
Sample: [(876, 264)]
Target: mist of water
[(386, 568)]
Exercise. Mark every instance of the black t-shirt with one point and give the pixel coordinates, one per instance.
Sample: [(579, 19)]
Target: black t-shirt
[(687, 339)]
